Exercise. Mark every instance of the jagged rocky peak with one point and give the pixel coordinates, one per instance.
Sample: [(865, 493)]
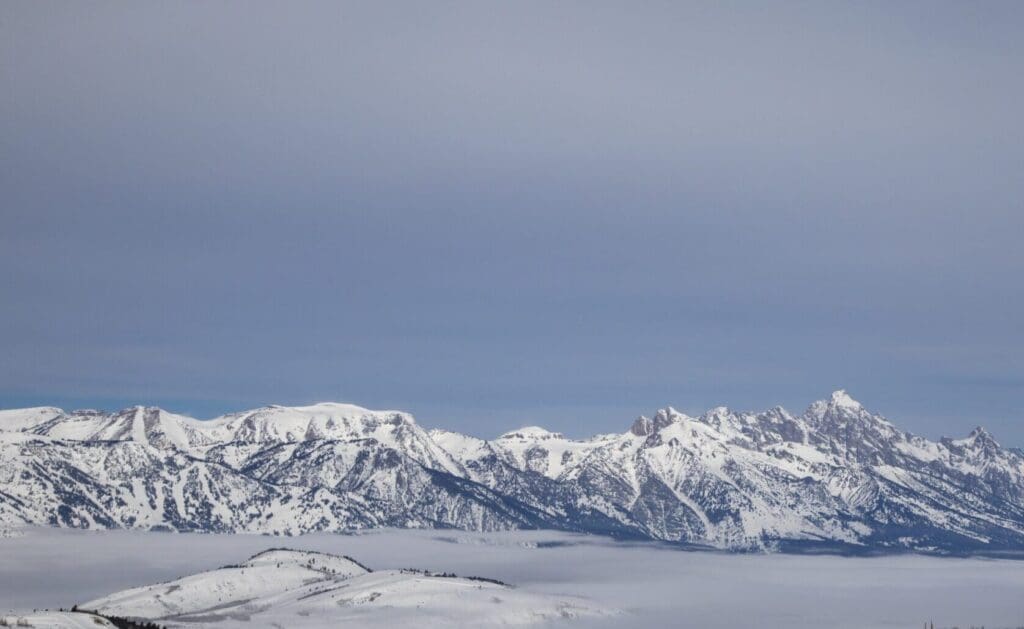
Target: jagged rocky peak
[(775, 416), (979, 434), (844, 428), (842, 399), (778, 421), (642, 427), (723, 419), (842, 411), (979, 440), (667, 416), (839, 403), (532, 433)]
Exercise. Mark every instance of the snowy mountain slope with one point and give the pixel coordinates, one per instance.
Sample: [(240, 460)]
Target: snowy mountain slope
[(343, 422), (833, 474), (511, 474), (125, 484), (144, 425), (837, 473), (25, 418), (542, 451), (298, 588), (402, 490)]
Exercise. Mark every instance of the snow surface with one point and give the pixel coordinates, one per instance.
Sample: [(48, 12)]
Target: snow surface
[(25, 418)]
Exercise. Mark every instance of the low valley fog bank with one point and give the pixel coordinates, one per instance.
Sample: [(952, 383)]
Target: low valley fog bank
[(651, 583)]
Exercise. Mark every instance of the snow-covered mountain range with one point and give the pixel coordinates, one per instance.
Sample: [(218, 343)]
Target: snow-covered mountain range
[(836, 474)]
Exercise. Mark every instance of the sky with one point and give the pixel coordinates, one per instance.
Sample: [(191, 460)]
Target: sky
[(501, 214)]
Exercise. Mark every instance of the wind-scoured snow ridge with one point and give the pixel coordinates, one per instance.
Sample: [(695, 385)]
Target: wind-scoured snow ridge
[(288, 588), (834, 477)]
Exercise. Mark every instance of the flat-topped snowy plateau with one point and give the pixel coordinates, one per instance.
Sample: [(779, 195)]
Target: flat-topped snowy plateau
[(834, 477)]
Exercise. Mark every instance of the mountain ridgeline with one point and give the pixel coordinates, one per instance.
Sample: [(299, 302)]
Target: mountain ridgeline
[(836, 476)]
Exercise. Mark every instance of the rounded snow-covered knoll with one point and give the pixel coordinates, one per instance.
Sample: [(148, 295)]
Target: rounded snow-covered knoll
[(289, 588)]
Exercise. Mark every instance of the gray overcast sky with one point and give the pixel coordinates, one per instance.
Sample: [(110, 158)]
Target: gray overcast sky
[(498, 214)]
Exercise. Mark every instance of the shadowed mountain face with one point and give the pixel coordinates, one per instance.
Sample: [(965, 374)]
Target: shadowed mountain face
[(836, 474)]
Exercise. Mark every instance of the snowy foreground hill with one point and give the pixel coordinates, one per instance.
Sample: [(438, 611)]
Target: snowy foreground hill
[(835, 476), (282, 588)]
